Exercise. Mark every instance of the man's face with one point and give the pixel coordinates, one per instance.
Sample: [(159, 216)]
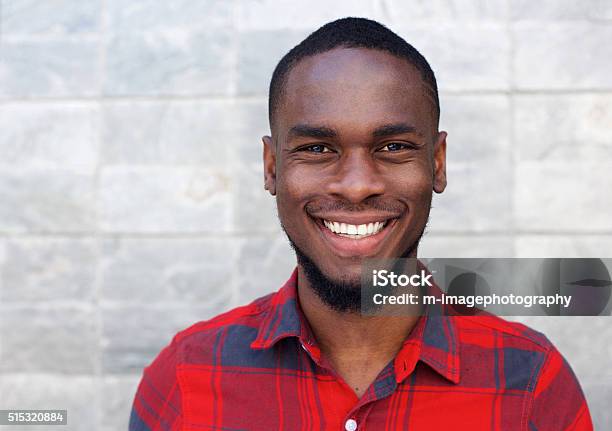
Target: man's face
[(353, 159)]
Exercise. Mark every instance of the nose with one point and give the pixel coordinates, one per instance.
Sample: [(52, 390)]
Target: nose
[(357, 177)]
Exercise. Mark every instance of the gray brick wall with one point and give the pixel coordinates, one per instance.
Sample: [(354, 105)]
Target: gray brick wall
[(131, 199)]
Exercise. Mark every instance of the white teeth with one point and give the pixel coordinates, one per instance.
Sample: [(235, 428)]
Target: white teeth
[(354, 231)]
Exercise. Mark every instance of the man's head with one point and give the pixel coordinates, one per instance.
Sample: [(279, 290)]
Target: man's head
[(355, 152)]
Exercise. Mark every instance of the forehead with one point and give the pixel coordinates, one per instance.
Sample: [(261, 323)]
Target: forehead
[(355, 87)]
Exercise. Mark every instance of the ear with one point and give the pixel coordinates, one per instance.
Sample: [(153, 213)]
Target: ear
[(439, 158), (269, 160)]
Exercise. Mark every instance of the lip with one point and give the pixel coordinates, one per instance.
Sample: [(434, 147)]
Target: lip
[(350, 247)]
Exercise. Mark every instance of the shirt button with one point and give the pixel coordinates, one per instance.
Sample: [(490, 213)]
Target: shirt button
[(350, 425)]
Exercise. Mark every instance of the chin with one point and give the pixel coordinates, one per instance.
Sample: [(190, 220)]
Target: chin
[(348, 279)]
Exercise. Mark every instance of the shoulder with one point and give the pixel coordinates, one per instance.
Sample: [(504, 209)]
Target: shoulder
[(514, 334), (527, 361), (196, 343), (516, 352), (248, 315), (158, 398)]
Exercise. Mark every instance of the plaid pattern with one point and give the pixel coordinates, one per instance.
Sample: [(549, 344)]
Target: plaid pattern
[(258, 367)]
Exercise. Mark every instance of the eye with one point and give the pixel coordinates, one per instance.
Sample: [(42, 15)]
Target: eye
[(316, 148), (396, 146)]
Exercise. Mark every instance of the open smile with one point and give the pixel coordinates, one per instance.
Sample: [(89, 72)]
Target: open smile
[(355, 239), (355, 231)]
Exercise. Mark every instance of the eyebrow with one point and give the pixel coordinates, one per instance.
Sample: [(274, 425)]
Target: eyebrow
[(393, 129), (305, 131)]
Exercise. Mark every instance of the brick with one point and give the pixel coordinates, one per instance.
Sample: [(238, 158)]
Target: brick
[(477, 199), (254, 207), (581, 246), (548, 196), (151, 270), (602, 9), (152, 15), (563, 127), (464, 246), (202, 132), (265, 263), (169, 132), (48, 269), (49, 135), (395, 12), (53, 68), (558, 10), (77, 394), (185, 63), (31, 17), (562, 55), (285, 14), (49, 200), (254, 69), (250, 120), (465, 57), (60, 339), (117, 395), (132, 336), (2, 276), (164, 199), (478, 128)]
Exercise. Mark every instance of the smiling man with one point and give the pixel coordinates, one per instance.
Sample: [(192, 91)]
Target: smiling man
[(353, 159)]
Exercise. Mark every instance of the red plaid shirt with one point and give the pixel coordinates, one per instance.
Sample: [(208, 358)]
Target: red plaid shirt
[(258, 367)]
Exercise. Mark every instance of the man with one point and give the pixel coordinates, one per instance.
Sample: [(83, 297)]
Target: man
[(353, 159)]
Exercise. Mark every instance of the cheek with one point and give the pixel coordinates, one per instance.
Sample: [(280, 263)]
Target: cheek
[(300, 183), (416, 184), (293, 189), (416, 189)]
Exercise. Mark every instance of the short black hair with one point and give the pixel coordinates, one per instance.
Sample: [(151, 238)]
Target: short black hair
[(350, 33)]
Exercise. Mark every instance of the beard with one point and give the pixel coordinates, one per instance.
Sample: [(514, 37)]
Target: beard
[(340, 295)]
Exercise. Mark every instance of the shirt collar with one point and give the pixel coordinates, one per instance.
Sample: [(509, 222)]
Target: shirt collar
[(434, 339), (283, 318)]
